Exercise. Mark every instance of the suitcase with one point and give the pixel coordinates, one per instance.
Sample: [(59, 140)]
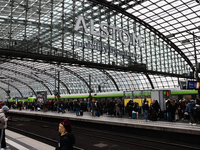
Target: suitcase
[(165, 116), (81, 112), (60, 109), (149, 116), (91, 112), (158, 115), (161, 114), (134, 115), (176, 117), (96, 113)]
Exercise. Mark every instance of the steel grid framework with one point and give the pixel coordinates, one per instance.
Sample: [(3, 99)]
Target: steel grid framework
[(42, 33)]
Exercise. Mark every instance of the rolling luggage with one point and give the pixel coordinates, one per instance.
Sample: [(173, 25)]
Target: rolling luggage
[(176, 117), (60, 109), (134, 115), (81, 112), (149, 116), (165, 116), (161, 114), (96, 113), (91, 112)]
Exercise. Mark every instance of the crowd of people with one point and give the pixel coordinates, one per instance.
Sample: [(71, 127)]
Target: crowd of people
[(175, 109), (187, 110), (97, 108), (183, 109)]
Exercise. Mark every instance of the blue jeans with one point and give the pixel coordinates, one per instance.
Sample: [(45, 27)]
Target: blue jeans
[(146, 114), (169, 116), (77, 111)]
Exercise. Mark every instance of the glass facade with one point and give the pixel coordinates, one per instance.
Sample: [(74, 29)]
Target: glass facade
[(126, 50)]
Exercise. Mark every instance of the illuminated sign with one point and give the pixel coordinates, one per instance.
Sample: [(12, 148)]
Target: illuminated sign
[(193, 85)]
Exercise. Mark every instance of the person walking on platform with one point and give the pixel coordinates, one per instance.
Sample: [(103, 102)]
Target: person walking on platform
[(67, 138), (3, 125)]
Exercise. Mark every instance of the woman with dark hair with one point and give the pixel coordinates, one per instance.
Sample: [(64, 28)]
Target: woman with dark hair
[(67, 139)]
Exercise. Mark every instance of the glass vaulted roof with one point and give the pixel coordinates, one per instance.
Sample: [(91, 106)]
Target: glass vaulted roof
[(36, 26)]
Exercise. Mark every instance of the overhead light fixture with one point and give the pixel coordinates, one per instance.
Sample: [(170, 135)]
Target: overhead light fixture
[(170, 35), (185, 41)]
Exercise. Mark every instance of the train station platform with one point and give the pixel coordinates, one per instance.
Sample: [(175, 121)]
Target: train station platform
[(124, 121), (17, 141)]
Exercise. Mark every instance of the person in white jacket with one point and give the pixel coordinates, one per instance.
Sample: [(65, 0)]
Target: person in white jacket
[(3, 125)]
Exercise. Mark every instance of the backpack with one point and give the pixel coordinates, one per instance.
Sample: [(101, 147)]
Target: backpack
[(120, 105), (2, 118)]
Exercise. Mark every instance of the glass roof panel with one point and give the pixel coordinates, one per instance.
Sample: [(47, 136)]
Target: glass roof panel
[(180, 18)]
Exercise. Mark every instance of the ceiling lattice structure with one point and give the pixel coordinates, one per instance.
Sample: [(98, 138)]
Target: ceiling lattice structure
[(37, 51)]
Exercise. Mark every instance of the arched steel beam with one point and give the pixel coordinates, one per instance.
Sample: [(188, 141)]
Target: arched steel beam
[(41, 71), (111, 78), (12, 86), (3, 89), (48, 74), (15, 79), (28, 76), (118, 9), (152, 86), (77, 75)]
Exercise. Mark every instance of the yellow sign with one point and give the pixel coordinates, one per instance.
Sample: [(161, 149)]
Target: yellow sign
[(138, 100)]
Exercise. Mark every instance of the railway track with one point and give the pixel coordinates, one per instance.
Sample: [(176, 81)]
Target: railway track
[(120, 139)]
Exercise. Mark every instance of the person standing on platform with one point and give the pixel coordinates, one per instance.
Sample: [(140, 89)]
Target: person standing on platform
[(130, 108), (120, 105), (190, 111), (169, 110), (20, 106), (3, 125), (146, 110), (77, 104), (67, 139)]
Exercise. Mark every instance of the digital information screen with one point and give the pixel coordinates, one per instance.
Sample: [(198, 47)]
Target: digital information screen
[(193, 85)]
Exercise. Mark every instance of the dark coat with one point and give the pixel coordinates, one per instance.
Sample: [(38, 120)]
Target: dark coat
[(66, 142), (169, 106), (146, 105)]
